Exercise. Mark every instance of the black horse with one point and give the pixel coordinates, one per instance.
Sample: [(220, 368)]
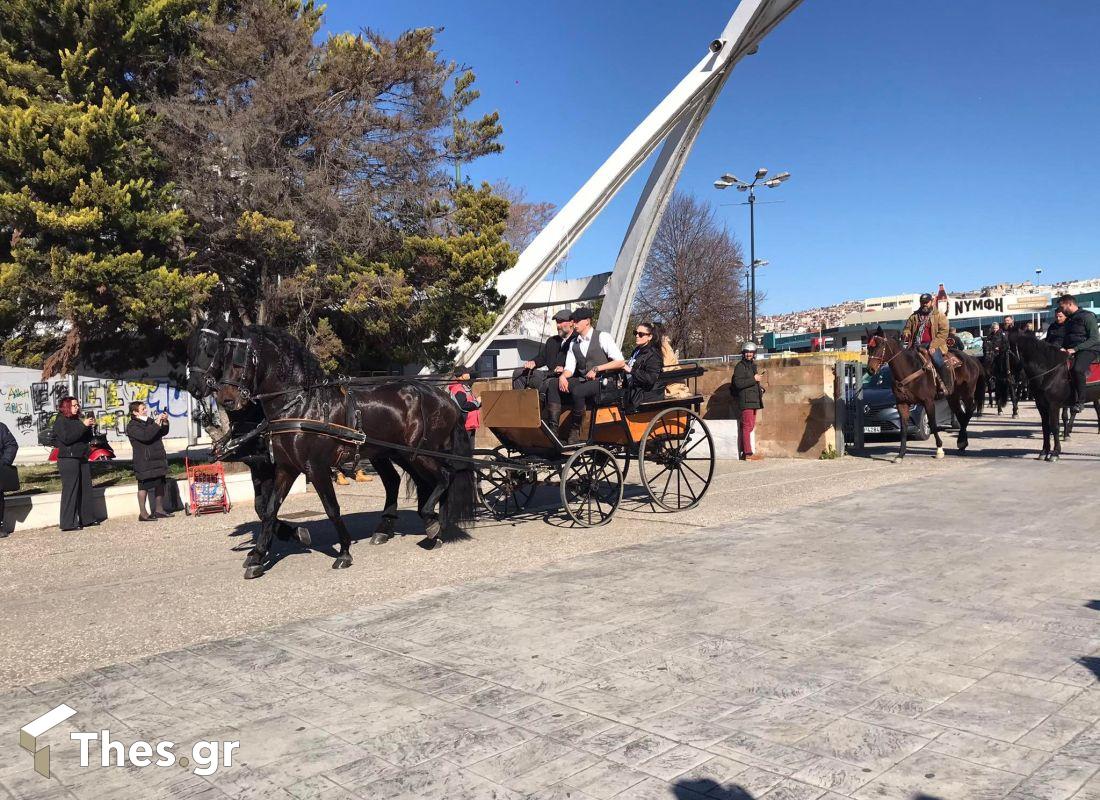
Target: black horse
[(316, 424), (241, 435), (1051, 383)]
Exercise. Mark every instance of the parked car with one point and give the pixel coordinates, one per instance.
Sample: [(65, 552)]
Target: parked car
[(880, 413)]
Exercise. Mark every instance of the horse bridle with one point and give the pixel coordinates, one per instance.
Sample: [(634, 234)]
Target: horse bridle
[(883, 362)]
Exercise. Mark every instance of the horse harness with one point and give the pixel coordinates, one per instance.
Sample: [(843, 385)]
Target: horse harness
[(243, 354)]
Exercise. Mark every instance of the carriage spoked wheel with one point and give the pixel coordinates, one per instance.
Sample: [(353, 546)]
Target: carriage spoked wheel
[(591, 486), (676, 459), (502, 491)]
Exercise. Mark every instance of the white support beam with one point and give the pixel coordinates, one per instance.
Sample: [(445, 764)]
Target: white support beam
[(678, 117)]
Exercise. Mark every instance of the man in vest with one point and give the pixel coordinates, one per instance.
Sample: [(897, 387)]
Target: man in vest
[(589, 355), (1081, 340), (926, 328)]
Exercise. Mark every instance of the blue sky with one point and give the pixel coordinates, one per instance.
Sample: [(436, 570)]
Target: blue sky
[(942, 140)]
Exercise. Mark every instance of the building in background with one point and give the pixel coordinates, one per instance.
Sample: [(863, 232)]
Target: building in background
[(524, 336)]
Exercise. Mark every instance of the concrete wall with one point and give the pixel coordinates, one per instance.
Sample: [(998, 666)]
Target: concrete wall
[(28, 404), (799, 416)]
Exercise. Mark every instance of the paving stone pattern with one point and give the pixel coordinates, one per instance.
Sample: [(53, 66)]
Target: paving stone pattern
[(932, 641)]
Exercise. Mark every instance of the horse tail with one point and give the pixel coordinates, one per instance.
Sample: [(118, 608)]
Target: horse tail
[(459, 502)]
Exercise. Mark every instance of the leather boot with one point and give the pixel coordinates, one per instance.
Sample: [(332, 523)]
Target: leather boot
[(552, 414)]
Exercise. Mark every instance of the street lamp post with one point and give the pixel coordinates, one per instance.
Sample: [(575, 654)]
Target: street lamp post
[(728, 180)]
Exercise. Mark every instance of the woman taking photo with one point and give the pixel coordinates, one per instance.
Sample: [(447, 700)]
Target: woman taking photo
[(150, 459), (644, 366), (72, 435)]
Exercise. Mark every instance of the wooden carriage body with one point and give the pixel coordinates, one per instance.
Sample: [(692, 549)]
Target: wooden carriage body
[(659, 435)]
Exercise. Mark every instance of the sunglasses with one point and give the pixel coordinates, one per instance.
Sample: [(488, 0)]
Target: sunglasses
[(642, 333)]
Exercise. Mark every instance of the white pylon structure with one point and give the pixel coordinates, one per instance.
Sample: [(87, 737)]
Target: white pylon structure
[(676, 121)]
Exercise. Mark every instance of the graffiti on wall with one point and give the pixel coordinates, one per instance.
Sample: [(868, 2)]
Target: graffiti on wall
[(29, 408)]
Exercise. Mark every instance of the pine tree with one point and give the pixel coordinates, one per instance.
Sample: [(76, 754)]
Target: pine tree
[(91, 239), (317, 173)]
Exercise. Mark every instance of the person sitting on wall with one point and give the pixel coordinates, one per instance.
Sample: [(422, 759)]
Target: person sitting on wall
[(589, 356), (543, 371)]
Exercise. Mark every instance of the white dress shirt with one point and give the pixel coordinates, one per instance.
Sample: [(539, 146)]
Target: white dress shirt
[(608, 344)]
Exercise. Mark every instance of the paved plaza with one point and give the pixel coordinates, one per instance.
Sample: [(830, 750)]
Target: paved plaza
[(929, 630)]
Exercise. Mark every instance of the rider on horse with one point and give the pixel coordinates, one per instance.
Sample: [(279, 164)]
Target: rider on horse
[(1082, 342), (926, 328)]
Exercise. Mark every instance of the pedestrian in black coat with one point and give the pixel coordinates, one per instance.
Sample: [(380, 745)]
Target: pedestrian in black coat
[(150, 459), (72, 435), (9, 448), (644, 366)]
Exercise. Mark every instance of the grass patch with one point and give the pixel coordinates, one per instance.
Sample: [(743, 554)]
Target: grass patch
[(42, 478)]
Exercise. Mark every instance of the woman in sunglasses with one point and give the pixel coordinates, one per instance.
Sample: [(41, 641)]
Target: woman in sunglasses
[(644, 366)]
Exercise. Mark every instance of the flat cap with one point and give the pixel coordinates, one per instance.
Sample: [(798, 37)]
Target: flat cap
[(582, 313), (563, 316)]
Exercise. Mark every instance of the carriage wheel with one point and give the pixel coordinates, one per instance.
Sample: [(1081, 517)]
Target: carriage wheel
[(591, 486), (676, 459), (502, 491)]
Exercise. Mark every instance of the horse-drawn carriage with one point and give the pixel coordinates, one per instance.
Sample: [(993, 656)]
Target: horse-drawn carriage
[(667, 438)]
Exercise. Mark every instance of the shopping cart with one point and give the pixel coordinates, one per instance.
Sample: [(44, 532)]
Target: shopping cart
[(206, 489)]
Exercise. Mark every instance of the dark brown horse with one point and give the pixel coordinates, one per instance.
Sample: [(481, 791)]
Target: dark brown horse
[(915, 385), (413, 424)]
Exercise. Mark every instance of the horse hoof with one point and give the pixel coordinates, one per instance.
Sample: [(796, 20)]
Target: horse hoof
[(342, 561), (428, 543), (939, 452), (253, 559), (380, 538), (895, 459), (1052, 458), (432, 528), (1015, 414), (253, 572), (1042, 457)]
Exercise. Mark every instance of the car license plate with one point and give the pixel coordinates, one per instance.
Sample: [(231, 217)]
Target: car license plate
[(872, 429)]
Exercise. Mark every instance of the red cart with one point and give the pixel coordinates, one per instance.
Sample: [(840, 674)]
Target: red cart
[(206, 488)]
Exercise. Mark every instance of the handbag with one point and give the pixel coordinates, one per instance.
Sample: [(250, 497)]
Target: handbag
[(9, 478), (611, 389)]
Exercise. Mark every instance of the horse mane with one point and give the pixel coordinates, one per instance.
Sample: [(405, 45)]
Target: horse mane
[(1035, 348), (295, 364)]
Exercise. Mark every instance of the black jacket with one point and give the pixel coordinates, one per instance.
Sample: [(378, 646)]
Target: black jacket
[(747, 393), (72, 437), (1056, 333), (1081, 331), (645, 372), (553, 352), (8, 446), (150, 460)]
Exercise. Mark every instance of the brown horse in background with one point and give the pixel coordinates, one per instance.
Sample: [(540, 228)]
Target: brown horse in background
[(915, 384)]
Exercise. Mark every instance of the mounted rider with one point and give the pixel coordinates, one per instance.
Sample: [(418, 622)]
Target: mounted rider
[(1082, 341), (927, 329)]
